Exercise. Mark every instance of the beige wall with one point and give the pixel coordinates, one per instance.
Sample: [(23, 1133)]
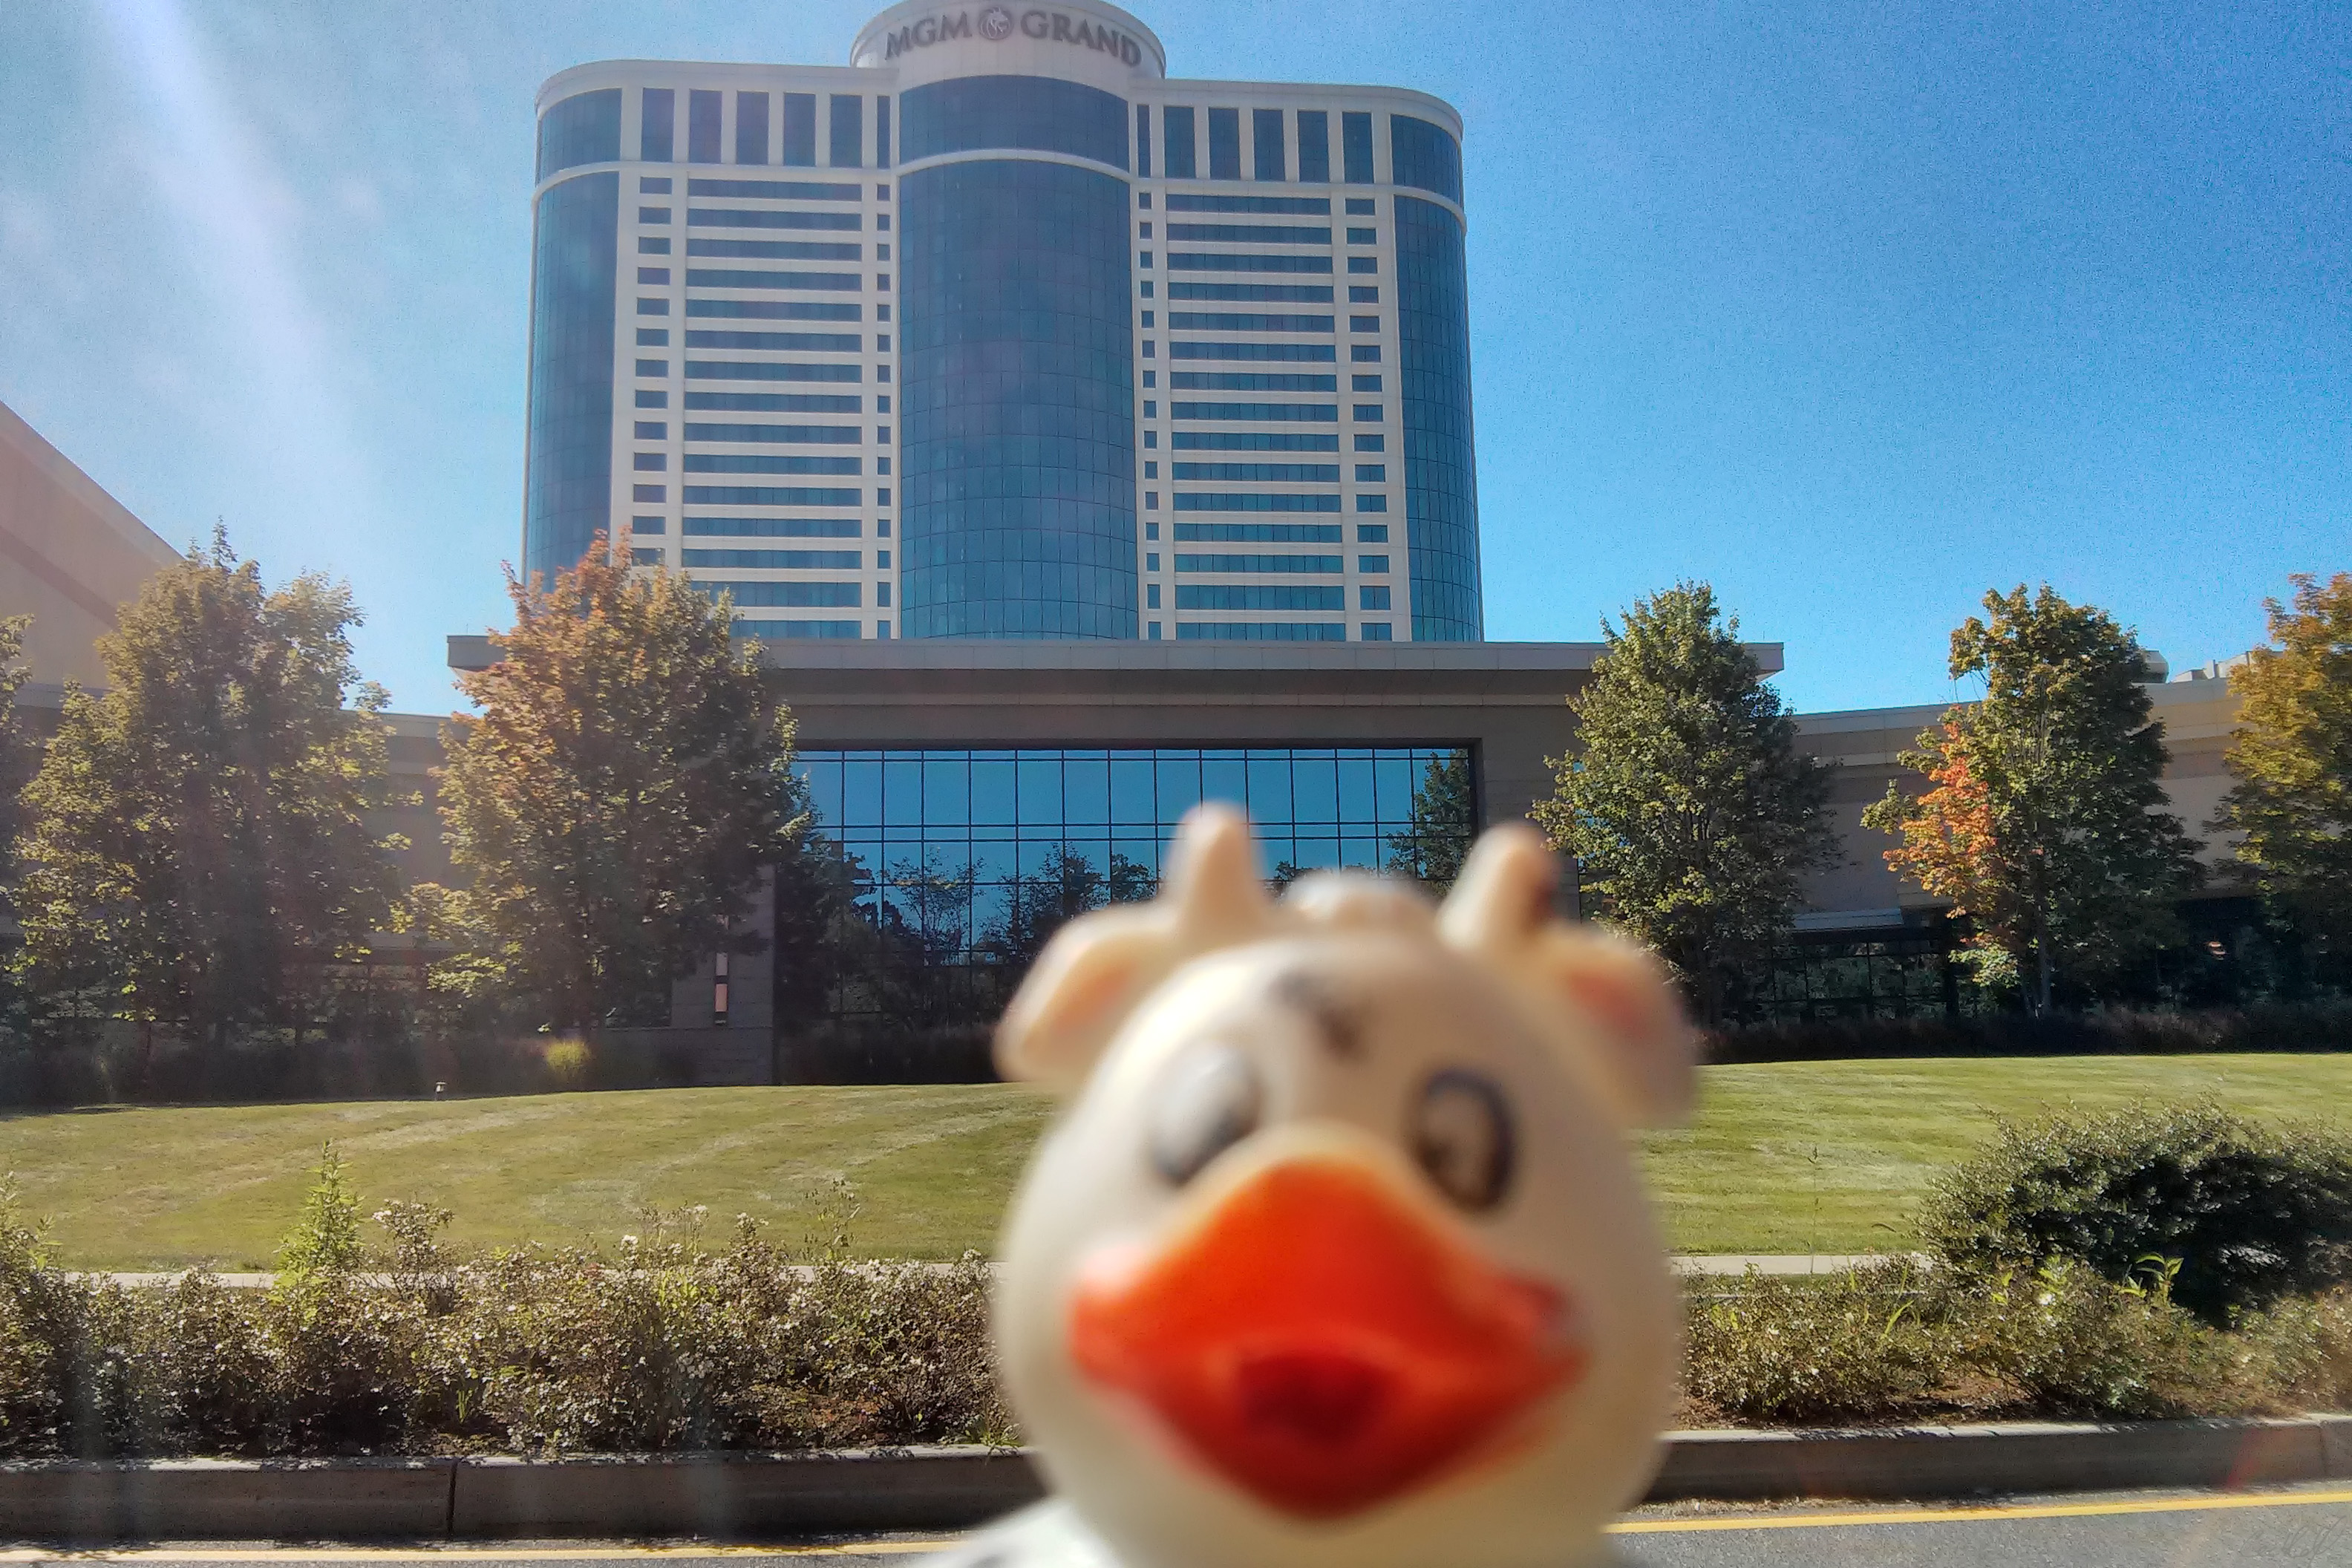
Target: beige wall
[(69, 555), (2198, 717)]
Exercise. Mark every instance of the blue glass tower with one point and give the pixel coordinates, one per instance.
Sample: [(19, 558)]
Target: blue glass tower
[(1018, 444)]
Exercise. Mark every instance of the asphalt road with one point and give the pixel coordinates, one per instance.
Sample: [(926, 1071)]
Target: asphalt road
[(2309, 1527)]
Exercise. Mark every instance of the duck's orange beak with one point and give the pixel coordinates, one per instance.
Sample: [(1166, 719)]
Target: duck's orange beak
[(1319, 1342)]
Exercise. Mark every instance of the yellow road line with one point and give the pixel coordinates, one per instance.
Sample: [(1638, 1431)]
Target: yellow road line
[(1947, 1515), (910, 1548)]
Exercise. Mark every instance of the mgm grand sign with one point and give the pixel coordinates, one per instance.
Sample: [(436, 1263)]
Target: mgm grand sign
[(997, 23)]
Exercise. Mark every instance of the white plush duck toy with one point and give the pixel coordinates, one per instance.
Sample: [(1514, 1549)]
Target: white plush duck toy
[(1336, 1258)]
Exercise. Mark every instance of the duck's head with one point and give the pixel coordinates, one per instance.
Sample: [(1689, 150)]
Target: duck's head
[(1337, 1256)]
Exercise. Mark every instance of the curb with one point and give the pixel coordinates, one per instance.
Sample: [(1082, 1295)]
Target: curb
[(1928, 1462), (859, 1490)]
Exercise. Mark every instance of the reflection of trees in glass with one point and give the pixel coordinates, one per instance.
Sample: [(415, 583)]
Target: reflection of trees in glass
[(1444, 819), (819, 934), (923, 916), (1067, 886)]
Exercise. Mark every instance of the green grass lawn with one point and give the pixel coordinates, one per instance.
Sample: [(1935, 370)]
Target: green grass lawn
[(1787, 1157)]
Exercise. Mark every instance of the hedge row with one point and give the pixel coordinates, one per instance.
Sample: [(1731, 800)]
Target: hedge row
[(666, 1344), (2294, 1028)]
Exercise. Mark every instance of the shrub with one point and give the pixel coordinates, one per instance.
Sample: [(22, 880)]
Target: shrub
[(2248, 1214), (2075, 1344), (661, 1342), (569, 1063), (1844, 1346)]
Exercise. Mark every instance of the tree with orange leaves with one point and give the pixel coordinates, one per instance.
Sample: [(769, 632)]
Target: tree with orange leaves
[(617, 800), (2045, 824)]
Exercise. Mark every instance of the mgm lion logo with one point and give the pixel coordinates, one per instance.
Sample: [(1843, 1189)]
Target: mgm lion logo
[(996, 24)]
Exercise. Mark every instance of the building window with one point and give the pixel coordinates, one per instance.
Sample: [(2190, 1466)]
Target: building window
[(652, 245), (702, 111), (1363, 323), (882, 597), (653, 185), (1425, 156), (1363, 236), (649, 492), (1372, 596), (1143, 148), (1180, 152), (800, 130), (653, 307), (582, 129), (1224, 143), (1373, 631), (1372, 566), (1364, 353), (654, 144), (1363, 264), (1364, 383), (1151, 595), (845, 145), (1367, 412), (1031, 824), (653, 214), (653, 367), (1362, 207), (751, 127), (651, 462), (1374, 442), (1371, 474), (1372, 533), (1314, 147), (648, 525), (1356, 147), (652, 399), (1267, 153), (1357, 294), (653, 275), (1155, 631), (653, 429)]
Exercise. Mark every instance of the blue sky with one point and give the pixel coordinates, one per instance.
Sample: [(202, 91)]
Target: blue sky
[(1852, 309)]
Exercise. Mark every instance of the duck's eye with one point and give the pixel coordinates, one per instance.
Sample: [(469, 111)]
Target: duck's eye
[(1461, 1136), (1208, 1100)]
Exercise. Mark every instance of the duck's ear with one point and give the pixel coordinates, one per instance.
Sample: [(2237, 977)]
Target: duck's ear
[(1605, 999), (1082, 987), (1100, 966)]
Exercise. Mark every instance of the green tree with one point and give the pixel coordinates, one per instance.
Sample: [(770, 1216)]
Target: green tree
[(199, 855), (1443, 821), (2292, 758), (1689, 811), (19, 754), (2046, 829), (618, 799)]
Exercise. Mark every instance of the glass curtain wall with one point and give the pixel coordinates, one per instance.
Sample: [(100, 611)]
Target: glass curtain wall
[(1018, 376), (568, 467), (931, 879), (1441, 470)]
